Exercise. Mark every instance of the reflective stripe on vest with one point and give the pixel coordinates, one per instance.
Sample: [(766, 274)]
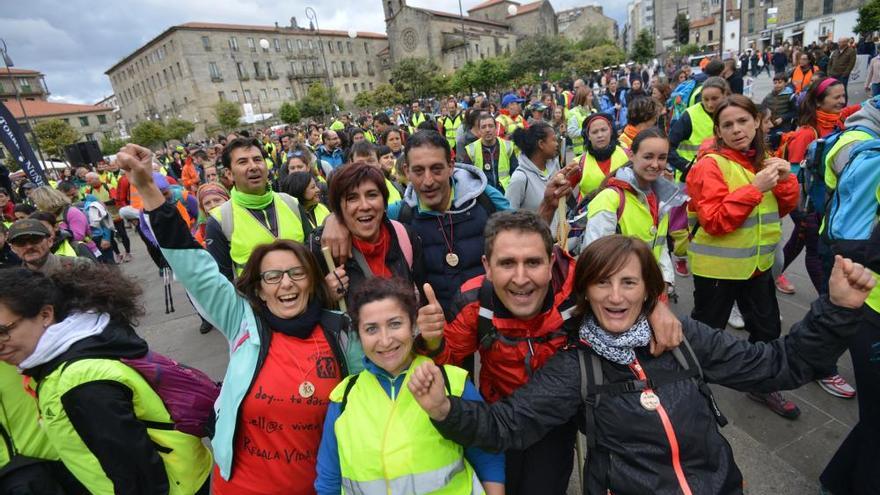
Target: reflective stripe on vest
[(701, 128), (187, 461), (635, 219), (388, 445), (450, 125), (416, 119), (475, 151), (592, 175), (577, 141), (66, 250), (244, 232), (738, 254)]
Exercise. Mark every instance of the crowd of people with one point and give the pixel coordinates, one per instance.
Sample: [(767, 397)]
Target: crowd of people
[(356, 268)]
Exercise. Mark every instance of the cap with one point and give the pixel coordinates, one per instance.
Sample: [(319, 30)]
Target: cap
[(511, 98), (29, 185), (27, 226)]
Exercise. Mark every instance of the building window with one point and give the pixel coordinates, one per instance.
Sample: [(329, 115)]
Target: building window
[(827, 6), (84, 121), (66, 120), (345, 72), (242, 72), (253, 46), (269, 71), (90, 137), (798, 10), (206, 43), (315, 66), (165, 75), (348, 46), (257, 72), (233, 44), (346, 88), (366, 48), (311, 46), (339, 46), (277, 44), (299, 45), (305, 68), (710, 35), (751, 22), (235, 95), (751, 4), (335, 68), (288, 92), (179, 72), (215, 71), (354, 69), (330, 46), (102, 119), (370, 68), (290, 45), (247, 95), (371, 86), (276, 93), (263, 95), (221, 95)]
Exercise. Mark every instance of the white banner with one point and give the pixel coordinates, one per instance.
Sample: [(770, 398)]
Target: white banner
[(860, 71)]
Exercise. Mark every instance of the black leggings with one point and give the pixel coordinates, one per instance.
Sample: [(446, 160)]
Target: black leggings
[(756, 298), (122, 235)]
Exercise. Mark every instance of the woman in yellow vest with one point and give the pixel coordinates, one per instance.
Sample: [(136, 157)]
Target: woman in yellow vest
[(738, 196), (636, 200), (376, 438), (105, 422), (603, 154), (582, 107), (303, 187)]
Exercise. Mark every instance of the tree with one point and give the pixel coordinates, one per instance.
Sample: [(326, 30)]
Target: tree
[(689, 49), (541, 54), (593, 36), (643, 48), (149, 133), (416, 77), (597, 58), (682, 28), (289, 113), (228, 114), (386, 96), (179, 129), (55, 135), (111, 145), (316, 101), (869, 18), (364, 100)]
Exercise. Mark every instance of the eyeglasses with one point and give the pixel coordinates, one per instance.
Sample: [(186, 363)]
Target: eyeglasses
[(275, 276), (5, 329)]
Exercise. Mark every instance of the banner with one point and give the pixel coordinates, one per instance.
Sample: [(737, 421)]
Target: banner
[(772, 16), (13, 138)]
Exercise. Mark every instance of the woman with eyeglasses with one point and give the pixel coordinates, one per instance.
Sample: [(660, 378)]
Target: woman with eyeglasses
[(287, 349)]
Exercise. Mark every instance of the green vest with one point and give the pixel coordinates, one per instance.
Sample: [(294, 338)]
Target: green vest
[(65, 249), (592, 176), (245, 232), (450, 125), (475, 152), (321, 212), (416, 119), (635, 219), (693, 99), (187, 460), (393, 193), (736, 256), (369, 136), (577, 141), (388, 445), (19, 421), (702, 127), (337, 125)]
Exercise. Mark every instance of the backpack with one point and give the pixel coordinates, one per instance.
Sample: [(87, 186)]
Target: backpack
[(853, 208), (813, 190), (187, 393), (577, 217), (403, 241), (680, 97)]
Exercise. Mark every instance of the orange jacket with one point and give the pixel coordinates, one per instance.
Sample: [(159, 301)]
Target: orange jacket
[(721, 211), (190, 176)]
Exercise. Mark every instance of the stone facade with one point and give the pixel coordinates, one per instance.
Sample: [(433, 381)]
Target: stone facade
[(30, 83), (184, 71), (800, 22), (573, 22)]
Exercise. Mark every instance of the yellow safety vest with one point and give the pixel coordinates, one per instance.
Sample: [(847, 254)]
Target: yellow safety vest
[(321, 212), (751, 247), (701, 128), (416, 119), (388, 445), (475, 152), (592, 176), (65, 249), (187, 461), (577, 141), (368, 135), (845, 139), (635, 219), (450, 125), (510, 124), (393, 193), (19, 421), (245, 232)]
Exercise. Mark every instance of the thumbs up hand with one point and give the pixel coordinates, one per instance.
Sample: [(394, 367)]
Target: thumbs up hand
[(430, 320)]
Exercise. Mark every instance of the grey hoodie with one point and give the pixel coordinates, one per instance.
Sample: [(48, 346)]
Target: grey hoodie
[(868, 116), (527, 183), (468, 182)]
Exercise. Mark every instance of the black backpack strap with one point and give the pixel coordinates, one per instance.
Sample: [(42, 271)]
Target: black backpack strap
[(405, 215), (486, 202), (688, 360), (486, 333), (348, 387), (446, 380), (591, 379)]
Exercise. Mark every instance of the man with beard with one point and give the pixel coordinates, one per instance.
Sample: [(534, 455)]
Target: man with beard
[(31, 241)]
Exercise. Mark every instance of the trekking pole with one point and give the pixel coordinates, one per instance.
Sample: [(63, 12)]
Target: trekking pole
[(331, 267), (579, 448), (170, 294), (165, 288)]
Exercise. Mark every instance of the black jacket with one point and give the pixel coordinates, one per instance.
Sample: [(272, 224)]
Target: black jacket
[(631, 440)]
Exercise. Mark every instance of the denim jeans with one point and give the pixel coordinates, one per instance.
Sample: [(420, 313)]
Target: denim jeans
[(875, 89)]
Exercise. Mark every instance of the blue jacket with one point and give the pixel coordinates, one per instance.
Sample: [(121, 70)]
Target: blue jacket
[(489, 467), (334, 158), (468, 219), (605, 106), (215, 298)]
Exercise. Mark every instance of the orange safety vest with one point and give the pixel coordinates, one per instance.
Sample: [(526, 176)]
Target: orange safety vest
[(801, 80), (138, 202)]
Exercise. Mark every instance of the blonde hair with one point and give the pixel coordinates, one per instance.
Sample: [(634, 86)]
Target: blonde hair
[(49, 200)]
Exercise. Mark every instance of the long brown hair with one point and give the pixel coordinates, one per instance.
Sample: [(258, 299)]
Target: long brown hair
[(745, 103), (248, 282), (810, 106)]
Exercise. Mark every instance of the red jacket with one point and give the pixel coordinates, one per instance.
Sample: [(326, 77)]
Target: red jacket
[(503, 366), (721, 211), (123, 190)]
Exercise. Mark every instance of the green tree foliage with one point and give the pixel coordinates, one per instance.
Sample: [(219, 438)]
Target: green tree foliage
[(869, 18), (179, 129), (111, 145), (386, 96), (682, 28), (289, 113), (364, 100), (643, 48), (690, 49), (54, 135), (596, 59), (228, 114), (541, 55), (592, 37), (149, 133), (416, 77), (316, 102), (484, 75)]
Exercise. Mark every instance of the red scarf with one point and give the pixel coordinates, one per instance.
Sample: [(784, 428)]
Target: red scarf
[(375, 253), (630, 131), (826, 122)]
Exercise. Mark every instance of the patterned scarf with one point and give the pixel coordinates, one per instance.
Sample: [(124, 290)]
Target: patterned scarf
[(617, 348)]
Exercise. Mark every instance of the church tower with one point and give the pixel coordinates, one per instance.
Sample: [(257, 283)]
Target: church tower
[(392, 8)]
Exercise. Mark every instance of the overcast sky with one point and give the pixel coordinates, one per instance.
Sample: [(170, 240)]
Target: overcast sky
[(74, 41)]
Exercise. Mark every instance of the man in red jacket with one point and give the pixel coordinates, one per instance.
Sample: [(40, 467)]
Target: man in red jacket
[(517, 316)]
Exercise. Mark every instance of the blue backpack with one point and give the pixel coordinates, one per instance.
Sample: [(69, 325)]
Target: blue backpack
[(812, 176), (854, 206), (680, 98)]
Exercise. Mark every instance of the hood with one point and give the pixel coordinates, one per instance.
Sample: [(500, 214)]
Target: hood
[(786, 90), (709, 147), (668, 193), (529, 167), (117, 340), (468, 182), (867, 116)]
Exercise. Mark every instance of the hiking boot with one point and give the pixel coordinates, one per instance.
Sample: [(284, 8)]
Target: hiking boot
[(837, 386), (783, 285), (126, 257), (777, 403), (735, 320), (681, 267), (205, 327)]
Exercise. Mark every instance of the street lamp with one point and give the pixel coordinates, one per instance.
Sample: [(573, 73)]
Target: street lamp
[(7, 61), (313, 18)]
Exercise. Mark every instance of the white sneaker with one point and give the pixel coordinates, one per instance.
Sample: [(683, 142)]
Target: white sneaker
[(735, 320)]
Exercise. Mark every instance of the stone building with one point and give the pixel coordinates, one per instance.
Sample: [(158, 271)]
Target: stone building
[(184, 71), (799, 22), (573, 22), (31, 84)]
